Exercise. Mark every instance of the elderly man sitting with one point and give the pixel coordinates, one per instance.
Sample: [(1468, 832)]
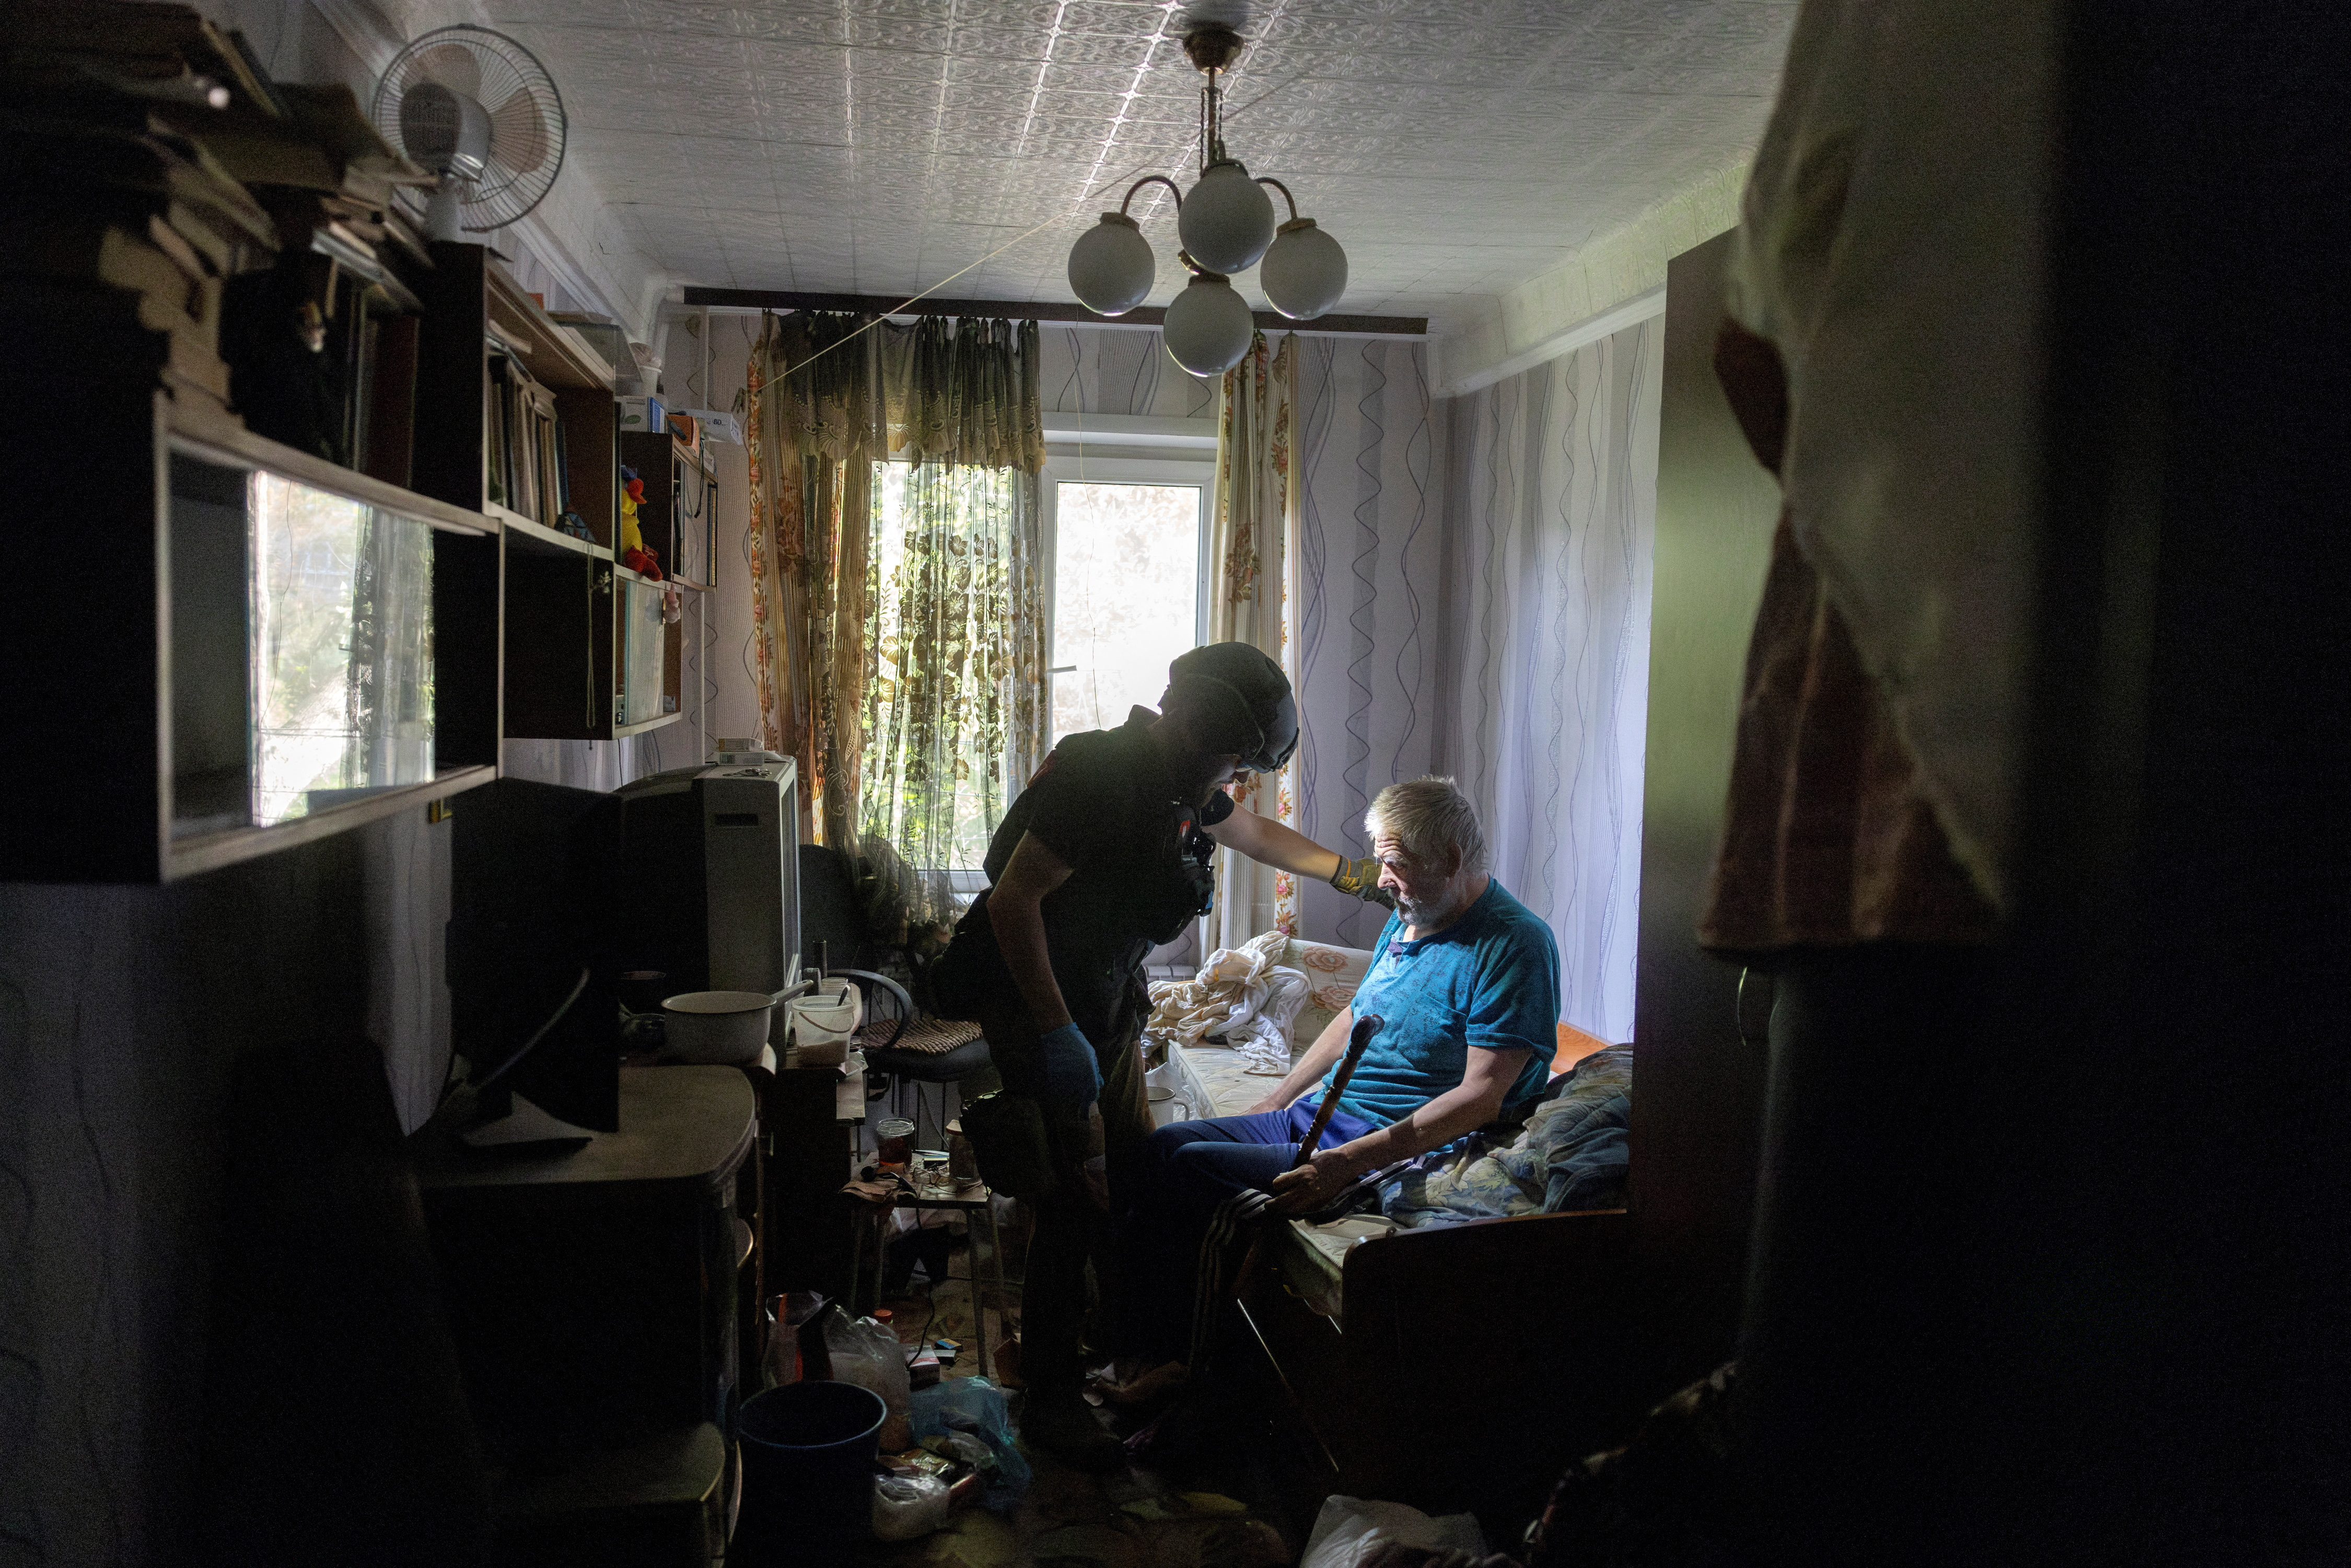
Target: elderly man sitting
[(1465, 979)]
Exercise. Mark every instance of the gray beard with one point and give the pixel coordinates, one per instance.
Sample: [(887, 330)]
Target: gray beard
[(1416, 913)]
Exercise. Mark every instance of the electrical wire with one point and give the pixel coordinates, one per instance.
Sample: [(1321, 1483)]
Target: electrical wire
[(1111, 184), (541, 1033)]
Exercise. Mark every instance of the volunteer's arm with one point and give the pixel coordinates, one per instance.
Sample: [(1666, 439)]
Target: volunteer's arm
[(1272, 843), (1016, 914), (1269, 843)]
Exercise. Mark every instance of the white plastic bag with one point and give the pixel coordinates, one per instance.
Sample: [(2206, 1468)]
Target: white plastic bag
[(867, 1354), (905, 1507), (1348, 1528)]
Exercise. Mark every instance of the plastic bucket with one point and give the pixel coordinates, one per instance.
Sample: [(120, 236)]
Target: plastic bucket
[(807, 1471)]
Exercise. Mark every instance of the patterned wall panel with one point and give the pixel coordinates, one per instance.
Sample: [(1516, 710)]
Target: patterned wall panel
[(121, 1012), (1371, 551), (1119, 370), (1542, 689), (1475, 603)]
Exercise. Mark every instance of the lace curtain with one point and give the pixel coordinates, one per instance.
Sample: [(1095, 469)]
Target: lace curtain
[(953, 717), (897, 611)]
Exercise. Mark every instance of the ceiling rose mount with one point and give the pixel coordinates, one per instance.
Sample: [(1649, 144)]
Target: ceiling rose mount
[(1226, 226)]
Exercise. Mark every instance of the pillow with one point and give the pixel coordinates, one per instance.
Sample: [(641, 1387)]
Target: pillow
[(1570, 1154), (1332, 975)]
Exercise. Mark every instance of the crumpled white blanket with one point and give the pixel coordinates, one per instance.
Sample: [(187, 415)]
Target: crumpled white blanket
[(1240, 994)]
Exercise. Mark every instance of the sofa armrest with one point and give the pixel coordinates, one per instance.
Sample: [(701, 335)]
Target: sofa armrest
[(1397, 1286), (1452, 1336)]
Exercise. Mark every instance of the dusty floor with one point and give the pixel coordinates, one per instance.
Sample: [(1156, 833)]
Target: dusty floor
[(1212, 1505)]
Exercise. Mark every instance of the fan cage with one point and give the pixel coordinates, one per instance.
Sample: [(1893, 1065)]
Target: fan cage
[(496, 72)]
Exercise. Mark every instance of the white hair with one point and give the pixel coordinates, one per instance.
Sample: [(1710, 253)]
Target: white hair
[(1428, 817)]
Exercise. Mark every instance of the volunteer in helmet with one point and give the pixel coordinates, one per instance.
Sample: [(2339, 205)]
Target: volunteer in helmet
[(1105, 855)]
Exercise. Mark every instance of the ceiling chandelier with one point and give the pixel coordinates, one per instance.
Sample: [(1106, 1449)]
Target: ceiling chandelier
[(1227, 227)]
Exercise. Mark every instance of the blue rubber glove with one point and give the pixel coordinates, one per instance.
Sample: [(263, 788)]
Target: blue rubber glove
[(1071, 1072)]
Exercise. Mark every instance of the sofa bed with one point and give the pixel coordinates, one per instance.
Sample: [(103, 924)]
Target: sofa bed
[(1449, 1346)]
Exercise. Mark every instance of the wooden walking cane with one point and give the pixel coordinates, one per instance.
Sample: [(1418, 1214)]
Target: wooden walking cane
[(1245, 1278), (1357, 1039)]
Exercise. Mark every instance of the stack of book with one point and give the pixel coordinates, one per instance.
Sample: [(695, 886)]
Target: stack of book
[(127, 230), (324, 346), (527, 463), (252, 222)]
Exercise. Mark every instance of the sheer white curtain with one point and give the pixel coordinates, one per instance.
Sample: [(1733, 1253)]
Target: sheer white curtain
[(1253, 598), (1541, 686)]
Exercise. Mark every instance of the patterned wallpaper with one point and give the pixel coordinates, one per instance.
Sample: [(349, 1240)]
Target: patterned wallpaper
[(1541, 686), (1117, 369), (121, 1010), (1371, 542)]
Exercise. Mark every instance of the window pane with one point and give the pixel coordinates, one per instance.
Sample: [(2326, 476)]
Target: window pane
[(1126, 573)]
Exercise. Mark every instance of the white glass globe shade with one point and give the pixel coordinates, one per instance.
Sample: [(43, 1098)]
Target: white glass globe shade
[(1304, 271), (1226, 221), (1111, 266), (1208, 328)]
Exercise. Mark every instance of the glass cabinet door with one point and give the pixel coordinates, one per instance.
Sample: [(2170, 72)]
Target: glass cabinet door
[(301, 648)]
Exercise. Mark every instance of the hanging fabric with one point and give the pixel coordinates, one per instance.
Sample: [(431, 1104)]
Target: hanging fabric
[(1253, 552), (955, 639), (898, 605)]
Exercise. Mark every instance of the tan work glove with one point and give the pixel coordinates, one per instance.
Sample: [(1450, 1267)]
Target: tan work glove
[(1360, 879)]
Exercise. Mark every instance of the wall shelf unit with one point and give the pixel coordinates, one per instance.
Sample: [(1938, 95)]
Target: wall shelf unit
[(678, 518), (286, 648), (588, 655)]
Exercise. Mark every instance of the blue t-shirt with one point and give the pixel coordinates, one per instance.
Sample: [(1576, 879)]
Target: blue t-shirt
[(1487, 981)]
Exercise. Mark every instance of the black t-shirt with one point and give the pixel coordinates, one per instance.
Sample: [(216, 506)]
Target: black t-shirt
[(1138, 864)]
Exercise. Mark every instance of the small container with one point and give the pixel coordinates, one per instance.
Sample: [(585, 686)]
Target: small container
[(931, 1174), (963, 1163), (897, 1135)]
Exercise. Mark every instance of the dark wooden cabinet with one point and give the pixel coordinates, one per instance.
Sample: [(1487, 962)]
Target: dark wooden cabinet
[(594, 1294)]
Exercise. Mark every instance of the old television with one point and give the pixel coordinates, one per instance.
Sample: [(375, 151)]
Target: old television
[(706, 877)]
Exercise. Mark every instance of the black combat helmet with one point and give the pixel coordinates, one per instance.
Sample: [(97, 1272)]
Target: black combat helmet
[(1237, 701)]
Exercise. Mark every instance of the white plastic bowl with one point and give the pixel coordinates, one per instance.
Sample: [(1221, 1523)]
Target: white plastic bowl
[(718, 1028)]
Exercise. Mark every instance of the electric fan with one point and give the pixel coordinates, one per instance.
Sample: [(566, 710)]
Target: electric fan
[(477, 110)]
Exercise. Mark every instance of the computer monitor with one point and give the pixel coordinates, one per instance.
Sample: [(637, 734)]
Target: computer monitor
[(532, 1005), (708, 877)]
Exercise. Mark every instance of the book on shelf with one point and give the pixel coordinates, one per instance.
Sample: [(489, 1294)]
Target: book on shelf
[(550, 473), (498, 470), (523, 442), (392, 402), (252, 224), (134, 44)]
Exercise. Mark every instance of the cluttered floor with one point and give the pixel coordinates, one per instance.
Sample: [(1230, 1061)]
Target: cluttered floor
[(1211, 1487)]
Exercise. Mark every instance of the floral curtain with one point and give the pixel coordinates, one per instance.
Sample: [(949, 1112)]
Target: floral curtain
[(900, 662), (952, 720), (1253, 551)]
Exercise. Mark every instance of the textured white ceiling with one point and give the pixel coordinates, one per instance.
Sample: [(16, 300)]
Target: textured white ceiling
[(878, 146)]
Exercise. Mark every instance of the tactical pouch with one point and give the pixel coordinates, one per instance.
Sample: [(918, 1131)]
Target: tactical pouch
[(1008, 1136), (970, 978)]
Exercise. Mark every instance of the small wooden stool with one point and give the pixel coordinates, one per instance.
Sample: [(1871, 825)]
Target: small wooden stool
[(975, 1198)]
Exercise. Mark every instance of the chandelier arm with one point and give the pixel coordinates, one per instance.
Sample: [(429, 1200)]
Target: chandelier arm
[(1269, 180), (1212, 122), (1172, 187)]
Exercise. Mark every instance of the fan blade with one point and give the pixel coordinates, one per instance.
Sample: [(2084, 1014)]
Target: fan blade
[(519, 140), (454, 67)]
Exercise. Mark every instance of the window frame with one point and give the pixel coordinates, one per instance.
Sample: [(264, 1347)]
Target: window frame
[(1078, 468)]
